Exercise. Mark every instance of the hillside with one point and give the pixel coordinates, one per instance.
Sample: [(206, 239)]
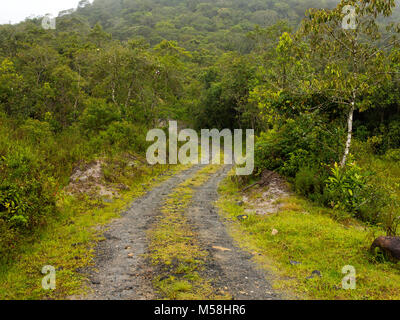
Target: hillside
[(207, 24), (194, 24)]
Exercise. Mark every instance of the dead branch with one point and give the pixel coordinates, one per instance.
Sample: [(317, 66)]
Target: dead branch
[(265, 176)]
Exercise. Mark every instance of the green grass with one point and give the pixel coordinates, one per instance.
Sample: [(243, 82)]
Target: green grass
[(67, 242), (311, 235)]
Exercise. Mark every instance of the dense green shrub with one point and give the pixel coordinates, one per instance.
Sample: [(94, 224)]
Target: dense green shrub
[(386, 137), (36, 131), (310, 182), (27, 191), (300, 142), (393, 134), (352, 189), (297, 159), (125, 136), (345, 187), (98, 115), (361, 132), (393, 155), (376, 144), (266, 153)]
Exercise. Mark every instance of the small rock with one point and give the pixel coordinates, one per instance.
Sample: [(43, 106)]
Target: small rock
[(221, 248), (127, 248), (315, 273), (130, 255), (274, 232)]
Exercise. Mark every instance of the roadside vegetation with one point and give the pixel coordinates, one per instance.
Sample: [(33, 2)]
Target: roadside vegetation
[(311, 246), (68, 239)]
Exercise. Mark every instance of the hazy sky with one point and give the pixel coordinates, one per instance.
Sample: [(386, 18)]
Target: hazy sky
[(17, 10)]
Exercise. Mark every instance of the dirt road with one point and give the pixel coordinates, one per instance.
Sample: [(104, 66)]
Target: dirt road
[(123, 272)]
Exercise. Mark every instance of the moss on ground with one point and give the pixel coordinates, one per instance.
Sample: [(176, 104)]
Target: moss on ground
[(316, 238)]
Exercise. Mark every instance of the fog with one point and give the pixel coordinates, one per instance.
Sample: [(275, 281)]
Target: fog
[(17, 10)]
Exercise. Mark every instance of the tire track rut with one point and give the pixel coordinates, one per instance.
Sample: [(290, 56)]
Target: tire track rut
[(121, 272), (230, 267)]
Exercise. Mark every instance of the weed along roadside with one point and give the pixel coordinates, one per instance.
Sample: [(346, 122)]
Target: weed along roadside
[(67, 242), (311, 253)]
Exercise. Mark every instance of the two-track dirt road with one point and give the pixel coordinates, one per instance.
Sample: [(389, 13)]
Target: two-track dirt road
[(123, 272)]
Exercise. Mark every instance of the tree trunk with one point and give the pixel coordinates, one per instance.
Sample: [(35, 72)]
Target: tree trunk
[(349, 134)]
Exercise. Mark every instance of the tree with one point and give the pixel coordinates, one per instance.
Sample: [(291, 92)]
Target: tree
[(283, 66), (98, 36), (349, 63), (10, 86)]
